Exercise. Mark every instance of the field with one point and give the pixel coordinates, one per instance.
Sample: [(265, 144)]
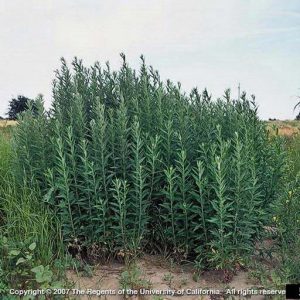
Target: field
[(285, 128), (7, 123), (129, 183)]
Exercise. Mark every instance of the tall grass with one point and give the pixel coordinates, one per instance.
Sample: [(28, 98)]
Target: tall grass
[(5, 151), (24, 218), (293, 147), (132, 164), (286, 217)]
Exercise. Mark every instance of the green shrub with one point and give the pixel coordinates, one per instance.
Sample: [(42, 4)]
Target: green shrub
[(132, 164)]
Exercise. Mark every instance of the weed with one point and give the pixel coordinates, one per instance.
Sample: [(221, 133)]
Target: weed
[(133, 279), (132, 164), (21, 268), (168, 278)]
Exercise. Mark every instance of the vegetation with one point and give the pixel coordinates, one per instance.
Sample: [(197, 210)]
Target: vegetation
[(287, 217), (123, 148), (18, 105), (133, 279), (29, 233), (124, 164), (297, 106)]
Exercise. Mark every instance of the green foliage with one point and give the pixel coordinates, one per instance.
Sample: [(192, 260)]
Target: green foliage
[(168, 278), (42, 274), (222, 205), (23, 214), (5, 160), (287, 221), (293, 149), (133, 279), (131, 164), (139, 208), (169, 208), (20, 267), (24, 220), (120, 209)]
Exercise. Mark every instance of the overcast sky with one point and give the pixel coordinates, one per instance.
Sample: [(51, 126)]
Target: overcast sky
[(204, 43)]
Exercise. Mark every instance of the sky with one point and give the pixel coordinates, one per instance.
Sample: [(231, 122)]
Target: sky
[(213, 44)]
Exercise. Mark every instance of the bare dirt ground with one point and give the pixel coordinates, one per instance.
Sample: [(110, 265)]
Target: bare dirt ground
[(162, 276)]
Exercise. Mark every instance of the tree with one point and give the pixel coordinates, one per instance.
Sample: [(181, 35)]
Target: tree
[(298, 116), (297, 105), (17, 105)]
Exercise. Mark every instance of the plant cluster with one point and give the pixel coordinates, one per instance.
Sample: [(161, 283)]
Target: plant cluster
[(21, 268), (134, 279), (131, 164), (286, 220), (28, 232)]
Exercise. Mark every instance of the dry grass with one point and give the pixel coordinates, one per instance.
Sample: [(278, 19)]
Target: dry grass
[(6, 123), (284, 128)]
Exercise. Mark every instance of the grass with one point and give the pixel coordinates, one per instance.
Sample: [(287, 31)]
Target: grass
[(288, 214), (293, 147), (5, 153), (23, 214), (25, 222), (7, 123)]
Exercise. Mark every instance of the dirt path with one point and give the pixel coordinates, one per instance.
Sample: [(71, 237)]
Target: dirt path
[(155, 274)]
